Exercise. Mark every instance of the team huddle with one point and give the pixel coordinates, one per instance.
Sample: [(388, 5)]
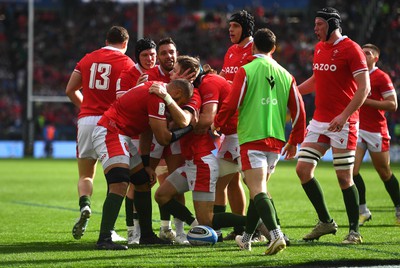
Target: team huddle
[(173, 109)]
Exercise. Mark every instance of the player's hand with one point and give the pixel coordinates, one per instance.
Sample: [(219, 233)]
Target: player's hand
[(158, 89), (195, 118), (142, 78), (337, 123), (187, 75), (152, 175), (289, 151), (214, 130)]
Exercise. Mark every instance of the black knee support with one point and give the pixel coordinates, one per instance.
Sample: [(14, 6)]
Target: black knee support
[(117, 174), (140, 177)]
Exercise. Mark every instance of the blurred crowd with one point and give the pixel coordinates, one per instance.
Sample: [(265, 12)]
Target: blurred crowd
[(63, 34)]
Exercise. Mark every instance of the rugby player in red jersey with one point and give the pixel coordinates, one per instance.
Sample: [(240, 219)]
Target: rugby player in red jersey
[(229, 186), (92, 88), (262, 92), (145, 55), (167, 56), (341, 84), (200, 172), (137, 112), (374, 134)]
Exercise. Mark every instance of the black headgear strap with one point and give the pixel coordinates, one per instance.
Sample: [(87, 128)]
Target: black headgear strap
[(141, 45), (332, 17), (246, 20)]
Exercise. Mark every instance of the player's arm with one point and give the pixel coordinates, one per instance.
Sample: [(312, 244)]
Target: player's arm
[(298, 119), (363, 89), (307, 86), (160, 130), (297, 115), (388, 104), (73, 87), (232, 102), (162, 133), (180, 117), (145, 141), (206, 117)]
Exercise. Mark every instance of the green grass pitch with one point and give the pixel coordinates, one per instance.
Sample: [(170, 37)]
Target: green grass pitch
[(39, 205)]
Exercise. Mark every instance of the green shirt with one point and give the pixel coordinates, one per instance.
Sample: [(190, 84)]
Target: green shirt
[(262, 113)]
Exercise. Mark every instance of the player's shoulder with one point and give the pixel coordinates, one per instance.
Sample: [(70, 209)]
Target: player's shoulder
[(379, 74), (153, 70), (348, 43)]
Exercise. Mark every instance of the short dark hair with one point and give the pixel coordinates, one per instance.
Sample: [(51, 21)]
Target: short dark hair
[(373, 47), (165, 41), (117, 35), (184, 85), (264, 40)]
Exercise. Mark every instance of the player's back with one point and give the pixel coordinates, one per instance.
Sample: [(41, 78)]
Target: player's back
[(215, 88), (100, 71), (132, 110)]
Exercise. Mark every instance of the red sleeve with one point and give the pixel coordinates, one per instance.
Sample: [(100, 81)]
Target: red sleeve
[(209, 92), (297, 114), (232, 102), (156, 108), (126, 81)]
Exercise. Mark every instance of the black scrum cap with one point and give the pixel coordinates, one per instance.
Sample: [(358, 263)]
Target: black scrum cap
[(246, 20), (141, 45), (332, 17)]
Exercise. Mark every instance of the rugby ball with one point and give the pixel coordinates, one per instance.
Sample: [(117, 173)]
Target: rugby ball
[(202, 235)]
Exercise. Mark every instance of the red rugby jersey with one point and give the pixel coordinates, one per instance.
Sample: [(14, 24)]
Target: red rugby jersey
[(234, 58), (100, 71), (335, 66), (192, 144), (215, 89), (128, 78), (371, 119), (156, 74), (131, 112)]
